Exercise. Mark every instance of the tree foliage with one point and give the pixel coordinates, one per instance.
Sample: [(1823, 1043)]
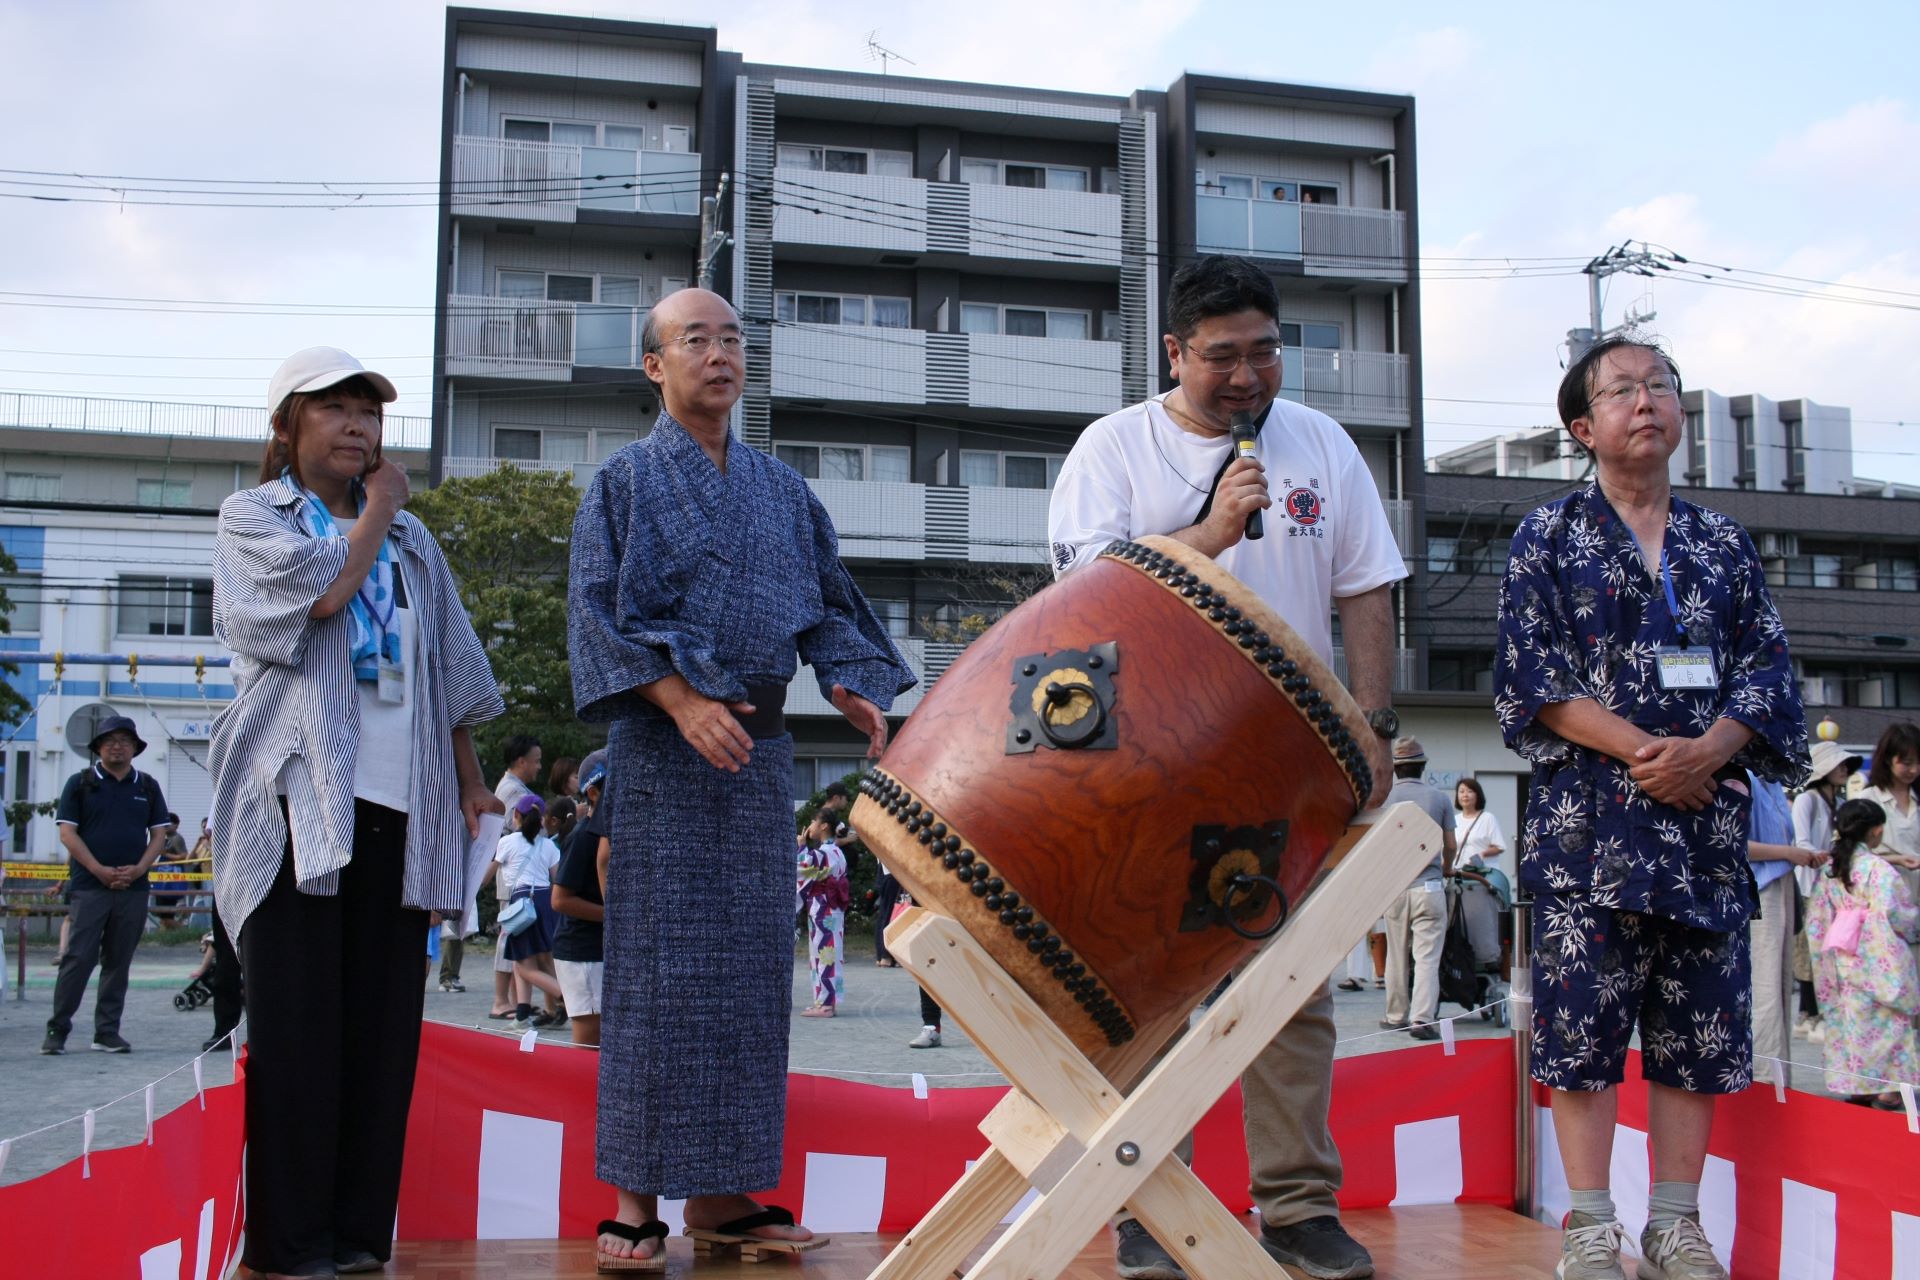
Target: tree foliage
[(506, 537)]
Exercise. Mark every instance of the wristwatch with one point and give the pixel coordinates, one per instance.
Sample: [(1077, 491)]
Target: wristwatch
[(1385, 723)]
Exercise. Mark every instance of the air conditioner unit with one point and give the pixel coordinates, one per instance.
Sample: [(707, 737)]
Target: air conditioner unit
[(1820, 691), (1779, 544)]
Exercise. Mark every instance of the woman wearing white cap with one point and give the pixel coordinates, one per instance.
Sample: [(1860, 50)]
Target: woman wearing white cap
[(341, 774)]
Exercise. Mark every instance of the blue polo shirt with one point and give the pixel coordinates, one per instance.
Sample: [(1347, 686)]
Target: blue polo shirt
[(115, 817), (1771, 823)]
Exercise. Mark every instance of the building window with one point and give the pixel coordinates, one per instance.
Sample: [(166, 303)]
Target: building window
[(1320, 337), (993, 470), (1696, 447), (1743, 442), (1441, 553), (23, 594), (163, 493), (558, 444), (1795, 433), (843, 308), (1013, 173), (618, 137), (875, 163), (165, 606), (896, 614), (888, 464), (811, 773), (23, 486), (1243, 186), (1023, 322), (556, 286)]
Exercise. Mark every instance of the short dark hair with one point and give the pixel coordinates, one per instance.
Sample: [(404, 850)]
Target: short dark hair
[(1473, 785), (835, 790), (563, 768), (1576, 396), (173, 819), (519, 747), (1218, 285), (1901, 739), (1410, 769)]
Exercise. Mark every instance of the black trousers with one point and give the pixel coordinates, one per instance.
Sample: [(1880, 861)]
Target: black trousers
[(224, 981), (885, 899), (107, 924), (334, 999)]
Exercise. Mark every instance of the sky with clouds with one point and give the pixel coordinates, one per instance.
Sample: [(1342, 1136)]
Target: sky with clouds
[(1768, 137)]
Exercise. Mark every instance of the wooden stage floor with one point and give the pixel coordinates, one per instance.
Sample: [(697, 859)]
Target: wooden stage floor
[(1424, 1243)]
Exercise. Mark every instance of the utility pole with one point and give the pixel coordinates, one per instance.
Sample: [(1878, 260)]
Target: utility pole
[(1641, 261), (712, 238)]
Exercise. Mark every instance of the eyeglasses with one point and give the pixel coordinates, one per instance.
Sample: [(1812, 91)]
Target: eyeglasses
[(1660, 388), (1258, 358), (699, 343)]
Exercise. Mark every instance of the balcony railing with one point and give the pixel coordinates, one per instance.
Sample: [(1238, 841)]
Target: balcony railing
[(531, 338), (461, 468), (850, 210), (1331, 239), (849, 362), (1348, 385), (803, 695), (1052, 375), (1048, 226), (156, 418), (548, 182)]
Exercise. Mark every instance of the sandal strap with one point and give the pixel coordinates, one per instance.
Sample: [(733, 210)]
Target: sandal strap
[(655, 1230), (771, 1216)]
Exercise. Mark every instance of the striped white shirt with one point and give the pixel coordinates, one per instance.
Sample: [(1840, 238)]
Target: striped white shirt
[(297, 711)]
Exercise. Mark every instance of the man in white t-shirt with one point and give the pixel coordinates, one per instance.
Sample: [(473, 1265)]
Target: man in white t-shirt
[(1163, 467)]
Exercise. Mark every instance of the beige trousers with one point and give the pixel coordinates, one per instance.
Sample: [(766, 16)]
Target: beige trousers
[(1287, 1093), (1416, 924), (1770, 938)]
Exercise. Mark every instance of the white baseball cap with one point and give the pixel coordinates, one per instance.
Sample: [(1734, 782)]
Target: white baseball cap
[(318, 368)]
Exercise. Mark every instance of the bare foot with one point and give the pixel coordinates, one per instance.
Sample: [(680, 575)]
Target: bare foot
[(704, 1213), (635, 1211)]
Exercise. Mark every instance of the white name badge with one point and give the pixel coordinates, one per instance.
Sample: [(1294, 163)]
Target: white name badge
[(393, 681), (1686, 668)]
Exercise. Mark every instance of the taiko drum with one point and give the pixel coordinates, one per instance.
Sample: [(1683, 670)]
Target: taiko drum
[(1121, 787)]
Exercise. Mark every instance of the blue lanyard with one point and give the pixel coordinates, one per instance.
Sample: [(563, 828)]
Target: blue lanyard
[(1666, 583)]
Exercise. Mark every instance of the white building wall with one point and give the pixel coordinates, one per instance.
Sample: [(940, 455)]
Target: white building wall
[(86, 554), (1827, 432), (1293, 124), (582, 57)]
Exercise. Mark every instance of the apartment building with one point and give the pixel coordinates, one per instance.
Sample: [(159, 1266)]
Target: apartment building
[(108, 509), (942, 282)]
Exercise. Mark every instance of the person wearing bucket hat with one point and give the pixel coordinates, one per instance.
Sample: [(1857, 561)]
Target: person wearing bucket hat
[(348, 791), (112, 821)]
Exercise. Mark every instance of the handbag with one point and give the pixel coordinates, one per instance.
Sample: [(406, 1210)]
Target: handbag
[(518, 915), (1843, 934)]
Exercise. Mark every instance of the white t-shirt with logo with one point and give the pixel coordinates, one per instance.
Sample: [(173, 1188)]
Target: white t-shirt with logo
[(1136, 472)]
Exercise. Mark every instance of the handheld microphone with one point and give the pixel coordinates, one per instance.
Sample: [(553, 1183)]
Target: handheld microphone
[(1243, 437)]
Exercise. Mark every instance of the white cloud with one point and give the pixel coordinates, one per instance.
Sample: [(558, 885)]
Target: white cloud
[(1869, 146), (1673, 220)]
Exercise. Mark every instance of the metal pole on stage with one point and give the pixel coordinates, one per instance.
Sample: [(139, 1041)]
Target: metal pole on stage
[(1520, 1021)]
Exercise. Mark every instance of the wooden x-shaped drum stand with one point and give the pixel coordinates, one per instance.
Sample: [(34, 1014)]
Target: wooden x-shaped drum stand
[(1069, 1129)]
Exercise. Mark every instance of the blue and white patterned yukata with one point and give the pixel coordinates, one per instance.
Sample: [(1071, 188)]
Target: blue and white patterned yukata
[(724, 579), (1640, 909)]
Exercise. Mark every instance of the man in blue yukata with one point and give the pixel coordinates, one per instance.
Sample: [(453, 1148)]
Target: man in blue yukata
[(701, 570), (1643, 669)]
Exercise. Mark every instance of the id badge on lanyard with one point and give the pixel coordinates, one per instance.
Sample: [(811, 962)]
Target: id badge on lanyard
[(1681, 666)]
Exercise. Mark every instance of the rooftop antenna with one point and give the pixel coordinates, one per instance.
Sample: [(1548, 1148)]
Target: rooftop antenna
[(877, 52)]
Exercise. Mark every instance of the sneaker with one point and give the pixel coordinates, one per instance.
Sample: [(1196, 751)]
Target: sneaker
[(349, 1262), (54, 1043), (929, 1038), (111, 1043), (1591, 1249), (1140, 1257), (1817, 1033), (1319, 1246), (1678, 1251)]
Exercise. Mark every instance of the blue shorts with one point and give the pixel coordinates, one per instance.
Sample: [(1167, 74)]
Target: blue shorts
[(1598, 972)]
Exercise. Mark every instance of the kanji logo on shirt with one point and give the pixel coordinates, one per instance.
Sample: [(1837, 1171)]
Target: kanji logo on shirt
[(1062, 555), (1303, 507)]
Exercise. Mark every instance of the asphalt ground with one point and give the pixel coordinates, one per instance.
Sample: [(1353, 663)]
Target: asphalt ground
[(867, 1041)]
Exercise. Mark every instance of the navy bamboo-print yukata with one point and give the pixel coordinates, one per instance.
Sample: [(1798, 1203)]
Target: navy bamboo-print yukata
[(726, 580), (1640, 909)]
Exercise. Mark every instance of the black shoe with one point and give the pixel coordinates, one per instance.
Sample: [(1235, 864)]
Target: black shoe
[(1425, 1031), (1320, 1247), (541, 1019), (111, 1043), (215, 1041), (1389, 1024), (1141, 1257), (349, 1262), (54, 1043)]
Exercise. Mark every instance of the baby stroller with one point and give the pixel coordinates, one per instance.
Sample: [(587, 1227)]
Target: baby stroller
[(197, 992), (1470, 956)]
